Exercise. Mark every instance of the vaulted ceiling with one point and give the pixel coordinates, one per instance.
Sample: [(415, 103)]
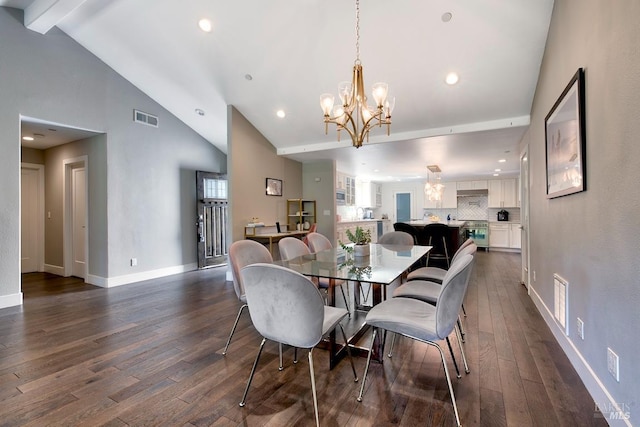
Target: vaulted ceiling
[(294, 50)]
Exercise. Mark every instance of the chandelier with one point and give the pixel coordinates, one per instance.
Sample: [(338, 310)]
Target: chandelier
[(354, 115), (433, 189)]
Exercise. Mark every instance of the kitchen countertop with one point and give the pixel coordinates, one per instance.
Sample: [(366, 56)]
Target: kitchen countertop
[(360, 220), (451, 223)]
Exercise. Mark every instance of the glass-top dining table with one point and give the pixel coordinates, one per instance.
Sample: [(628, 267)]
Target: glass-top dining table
[(370, 276)]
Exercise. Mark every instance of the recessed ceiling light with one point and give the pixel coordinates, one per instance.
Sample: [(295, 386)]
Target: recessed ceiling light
[(38, 135), (502, 160), (27, 138), (496, 174), (281, 114), (199, 112), (446, 17), (205, 25), (452, 78), (497, 170), (376, 170)]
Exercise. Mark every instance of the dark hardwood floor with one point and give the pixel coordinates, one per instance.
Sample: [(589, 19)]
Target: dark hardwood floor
[(150, 354)]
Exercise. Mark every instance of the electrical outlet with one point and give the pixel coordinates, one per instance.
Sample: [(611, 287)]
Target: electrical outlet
[(613, 364), (134, 262), (580, 328)]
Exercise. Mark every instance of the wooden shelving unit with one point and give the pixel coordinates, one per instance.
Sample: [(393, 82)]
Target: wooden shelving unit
[(300, 211)]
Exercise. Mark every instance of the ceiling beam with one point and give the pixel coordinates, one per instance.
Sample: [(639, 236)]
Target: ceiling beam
[(42, 15), (506, 123)]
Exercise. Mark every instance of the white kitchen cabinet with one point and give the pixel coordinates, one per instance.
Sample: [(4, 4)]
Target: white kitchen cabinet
[(515, 236), (341, 230), (449, 198), (504, 235), (472, 185), (348, 184), (350, 190), (498, 235), (378, 195), (502, 193), (368, 194)]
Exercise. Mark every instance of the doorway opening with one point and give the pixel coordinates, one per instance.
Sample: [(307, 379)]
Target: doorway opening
[(54, 224)]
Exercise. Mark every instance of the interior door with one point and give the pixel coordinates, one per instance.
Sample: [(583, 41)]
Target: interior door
[(31, 218), (213, 219), (403, 207), (524, 215), (79, 226)]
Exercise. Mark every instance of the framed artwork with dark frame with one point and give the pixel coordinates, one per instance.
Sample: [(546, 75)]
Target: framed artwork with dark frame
[(273, 187), (565, 138)]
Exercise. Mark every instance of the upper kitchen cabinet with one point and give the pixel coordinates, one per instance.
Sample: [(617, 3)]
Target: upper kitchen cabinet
[(348, 184), (449, 198), (472, 185), (368, 194), (503, 193)]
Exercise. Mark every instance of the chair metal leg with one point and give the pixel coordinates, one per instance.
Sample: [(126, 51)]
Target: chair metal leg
[(464, 311), (313, 387), (346, 302), (295, 354), (280, 367), (446, 374), (346, 343), (226, 347), (462, 333), (253, 370), (464, 357), (393, 341), (453, 356), (366, 369)]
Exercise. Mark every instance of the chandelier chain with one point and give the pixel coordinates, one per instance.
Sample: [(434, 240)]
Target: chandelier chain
[(357, 32)]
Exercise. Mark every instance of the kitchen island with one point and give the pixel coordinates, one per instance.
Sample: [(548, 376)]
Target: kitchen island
[(457, 229)]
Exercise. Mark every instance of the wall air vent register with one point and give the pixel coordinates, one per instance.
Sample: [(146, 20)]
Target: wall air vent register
[(145, 118)]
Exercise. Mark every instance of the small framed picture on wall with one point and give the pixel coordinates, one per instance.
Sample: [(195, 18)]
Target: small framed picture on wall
[(273, 187)]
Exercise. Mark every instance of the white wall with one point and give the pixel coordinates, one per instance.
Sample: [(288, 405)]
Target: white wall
[(592, 239)]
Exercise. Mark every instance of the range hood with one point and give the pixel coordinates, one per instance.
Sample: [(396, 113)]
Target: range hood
[(472, 193)]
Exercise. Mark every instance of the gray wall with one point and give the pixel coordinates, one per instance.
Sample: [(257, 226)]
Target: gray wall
[(592, 239), (318, 181), (150, 173)]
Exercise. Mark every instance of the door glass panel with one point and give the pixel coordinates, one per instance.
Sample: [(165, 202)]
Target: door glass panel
[(403, 207)]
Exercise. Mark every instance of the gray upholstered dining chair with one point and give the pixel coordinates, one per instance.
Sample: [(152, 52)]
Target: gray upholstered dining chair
[(290, 247), (422, 321), (286, 307), (318, 242), (396, 238), (436, 274), (430, 292), (407, 228), (241, 254)]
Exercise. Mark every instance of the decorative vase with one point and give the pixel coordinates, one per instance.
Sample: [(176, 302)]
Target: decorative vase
[(361, 250)]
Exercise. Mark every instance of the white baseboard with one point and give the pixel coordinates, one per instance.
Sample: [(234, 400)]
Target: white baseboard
[(54, 269), (10, 300), (110, 282), (615, 415)]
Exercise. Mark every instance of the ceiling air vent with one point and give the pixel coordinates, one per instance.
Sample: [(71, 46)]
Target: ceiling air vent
[(145, 118)]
